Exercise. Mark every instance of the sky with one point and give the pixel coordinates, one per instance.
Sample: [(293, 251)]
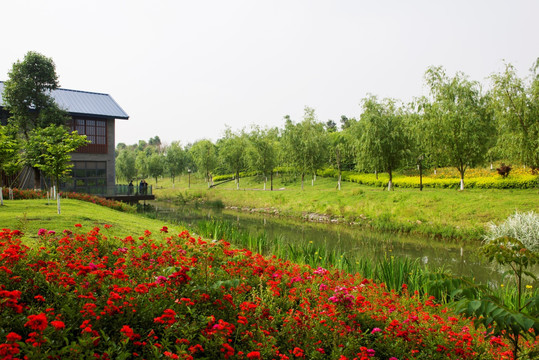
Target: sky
[(184, 70)]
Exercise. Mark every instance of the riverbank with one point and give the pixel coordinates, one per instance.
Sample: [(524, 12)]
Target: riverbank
[(440, 213)]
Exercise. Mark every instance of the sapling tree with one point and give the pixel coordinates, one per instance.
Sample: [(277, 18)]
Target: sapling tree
[(49, 149)]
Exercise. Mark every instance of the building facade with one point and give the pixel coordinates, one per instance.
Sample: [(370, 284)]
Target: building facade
[(94, 115)]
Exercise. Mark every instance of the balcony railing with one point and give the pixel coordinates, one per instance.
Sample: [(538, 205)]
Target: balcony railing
[(115, 190)]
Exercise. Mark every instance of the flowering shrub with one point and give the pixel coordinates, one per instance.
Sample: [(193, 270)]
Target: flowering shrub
[(84, 295)]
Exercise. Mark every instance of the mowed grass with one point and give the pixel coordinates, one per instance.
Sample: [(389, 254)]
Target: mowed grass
[(439, 212), (31, 215)]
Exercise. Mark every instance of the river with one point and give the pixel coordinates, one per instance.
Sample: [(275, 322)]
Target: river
[(461, 258)]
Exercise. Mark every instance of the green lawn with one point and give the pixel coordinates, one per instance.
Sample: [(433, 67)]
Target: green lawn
[(31, 215), (444, 212)]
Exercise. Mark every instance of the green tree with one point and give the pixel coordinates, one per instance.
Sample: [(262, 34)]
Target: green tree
[(175, 160), (141, 164), (383, 143), (156, 165), (204, 155), (305, 144), (458, 120), (27, 97), (232, 153), (340, 153), (516, 105), (8, 156), (126, 165), (49, 149), (263, 152)]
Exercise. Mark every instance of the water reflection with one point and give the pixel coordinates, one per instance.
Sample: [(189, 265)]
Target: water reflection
[(460, 258)]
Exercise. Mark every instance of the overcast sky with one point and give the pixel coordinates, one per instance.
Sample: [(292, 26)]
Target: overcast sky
[(183, 70)]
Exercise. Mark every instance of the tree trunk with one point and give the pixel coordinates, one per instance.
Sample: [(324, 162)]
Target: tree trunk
[(390, 183), (420, 177), (461, 179), (302, 178), (37, 179), (237, 180), (376, 173), (265, 181), (271, 180), (1, 197), (173, 182)]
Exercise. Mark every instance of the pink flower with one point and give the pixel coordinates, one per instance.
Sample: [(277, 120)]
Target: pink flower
[(41, 232)]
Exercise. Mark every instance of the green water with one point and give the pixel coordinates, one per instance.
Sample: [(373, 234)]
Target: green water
[(460, 258)]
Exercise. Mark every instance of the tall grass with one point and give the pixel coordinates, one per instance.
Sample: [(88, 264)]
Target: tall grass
[(394, 272)]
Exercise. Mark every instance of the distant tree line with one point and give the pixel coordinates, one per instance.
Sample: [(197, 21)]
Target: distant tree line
[(457, 125)]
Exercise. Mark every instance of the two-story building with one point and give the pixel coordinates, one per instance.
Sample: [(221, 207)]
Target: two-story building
[(94, 115)]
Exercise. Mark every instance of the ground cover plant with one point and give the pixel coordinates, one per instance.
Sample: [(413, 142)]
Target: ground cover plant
[(82, 293)]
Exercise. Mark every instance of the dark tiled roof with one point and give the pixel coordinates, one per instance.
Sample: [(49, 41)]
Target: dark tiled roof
[(77, 102)]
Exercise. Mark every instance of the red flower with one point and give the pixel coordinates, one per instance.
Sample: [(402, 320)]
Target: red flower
[(127, 331), (78, 225), (58, 325), (254, 355), (37, 322), (13, 337), (164, 229)]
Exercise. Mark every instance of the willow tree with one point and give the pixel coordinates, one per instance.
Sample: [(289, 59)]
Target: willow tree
[(204, 154), (306, 144), (457, 120), (175, 160), (383, 142), (232, 153), (263, 151), (516, 104)]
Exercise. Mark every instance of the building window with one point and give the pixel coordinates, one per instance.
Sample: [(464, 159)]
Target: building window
[(95, 131), (88, 177)]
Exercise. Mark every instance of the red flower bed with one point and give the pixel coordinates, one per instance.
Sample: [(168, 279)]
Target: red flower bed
[(88, 296)]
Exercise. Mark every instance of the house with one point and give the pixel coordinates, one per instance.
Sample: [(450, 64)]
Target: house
[(94, 115)]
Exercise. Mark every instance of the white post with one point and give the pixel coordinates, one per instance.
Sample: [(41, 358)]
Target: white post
[(1, 197)]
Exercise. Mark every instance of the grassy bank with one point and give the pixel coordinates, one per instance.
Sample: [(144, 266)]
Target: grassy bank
[(437, 212), (29, 216)]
